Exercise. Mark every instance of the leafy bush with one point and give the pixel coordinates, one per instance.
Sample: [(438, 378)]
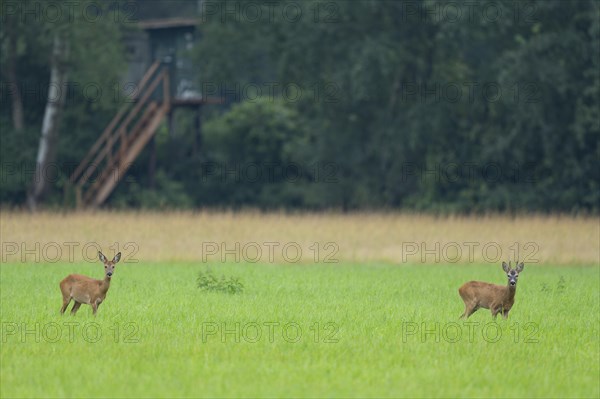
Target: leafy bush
[(208, 281), (249, 160), (168, 194)]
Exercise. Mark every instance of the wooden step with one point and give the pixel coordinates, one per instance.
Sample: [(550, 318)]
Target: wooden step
[(114, 165), (129, 155), (123, 140)]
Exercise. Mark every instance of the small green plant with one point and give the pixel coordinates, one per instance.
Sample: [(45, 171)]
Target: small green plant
[(561, 286), (546, 288), (208, 281)]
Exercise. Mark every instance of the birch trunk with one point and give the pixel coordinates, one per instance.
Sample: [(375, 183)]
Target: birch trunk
[(50, 125)]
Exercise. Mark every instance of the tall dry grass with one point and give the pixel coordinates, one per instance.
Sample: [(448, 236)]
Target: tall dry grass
[(360, 237)]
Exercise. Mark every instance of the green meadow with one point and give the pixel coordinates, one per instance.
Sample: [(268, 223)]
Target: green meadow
[(349, 329)]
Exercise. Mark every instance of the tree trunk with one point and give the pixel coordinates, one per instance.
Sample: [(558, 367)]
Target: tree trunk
[(13, 82), (50, 125)]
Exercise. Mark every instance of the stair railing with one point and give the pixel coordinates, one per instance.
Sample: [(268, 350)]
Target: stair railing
[(111, 147)]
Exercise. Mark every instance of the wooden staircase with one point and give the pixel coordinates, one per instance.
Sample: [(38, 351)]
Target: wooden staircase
[(123, 139)]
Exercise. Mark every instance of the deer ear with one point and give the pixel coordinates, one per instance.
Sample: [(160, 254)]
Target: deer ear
[(101, 257), (117, 258), (520, 267), (505, 267)]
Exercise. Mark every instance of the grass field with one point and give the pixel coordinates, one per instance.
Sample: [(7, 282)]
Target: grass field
[(370, 325)]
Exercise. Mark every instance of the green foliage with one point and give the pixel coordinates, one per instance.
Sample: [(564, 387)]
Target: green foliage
[(18, 152), (208, 281), (95, 62), (561, 286), (167, 194), (533, 147), (377, 125), (248, 155)]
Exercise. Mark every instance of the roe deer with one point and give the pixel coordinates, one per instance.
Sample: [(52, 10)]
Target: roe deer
[(83, 289), (497, 298)]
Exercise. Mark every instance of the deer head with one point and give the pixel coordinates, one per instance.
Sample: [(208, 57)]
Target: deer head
[(512, 274), (109, 266)]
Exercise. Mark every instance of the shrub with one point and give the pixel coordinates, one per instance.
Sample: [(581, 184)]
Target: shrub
[(208, 281)]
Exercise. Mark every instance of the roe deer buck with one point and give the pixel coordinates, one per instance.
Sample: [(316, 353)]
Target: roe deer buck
[(497, 298), (83, 289)]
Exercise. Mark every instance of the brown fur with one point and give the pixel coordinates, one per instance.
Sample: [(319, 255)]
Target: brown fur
[(83, 289), (497, 298)]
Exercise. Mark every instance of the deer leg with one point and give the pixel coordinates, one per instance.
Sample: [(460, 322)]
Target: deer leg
[(469, 310), (495, 310), (473, 310), (94, 308), (466, 312), (75, 307), (66, 301), (505, 314)]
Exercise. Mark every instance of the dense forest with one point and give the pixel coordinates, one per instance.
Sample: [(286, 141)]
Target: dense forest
[(434, 106)]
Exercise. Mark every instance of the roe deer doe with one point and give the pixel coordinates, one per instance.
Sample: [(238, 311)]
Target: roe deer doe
[(83, 289), (497, 298)]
